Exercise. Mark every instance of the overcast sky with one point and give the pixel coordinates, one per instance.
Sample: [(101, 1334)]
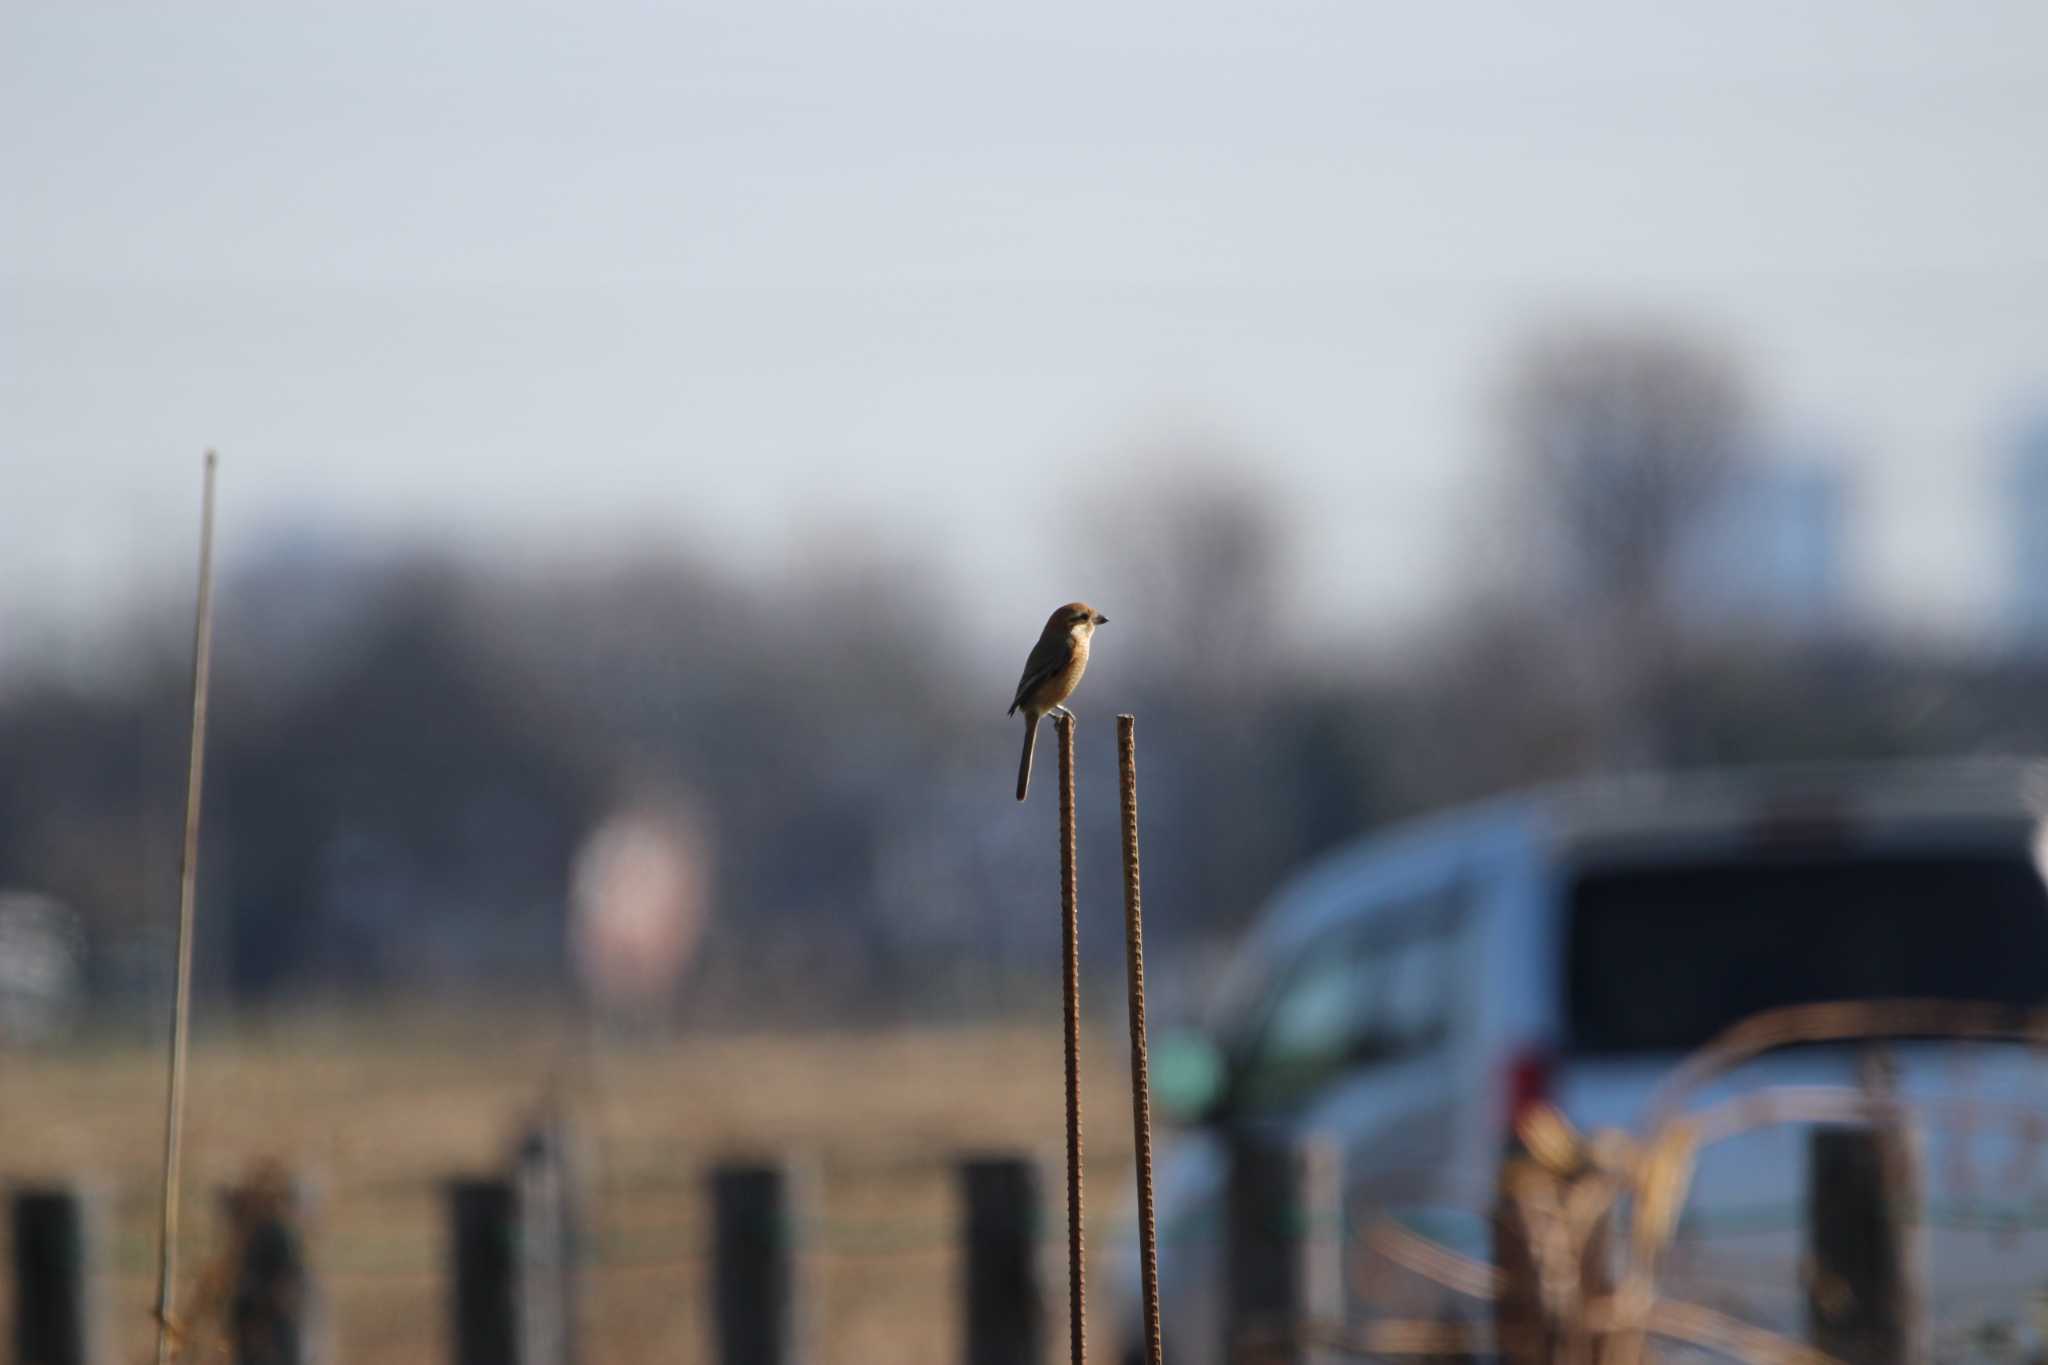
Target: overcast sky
[(538, 280)]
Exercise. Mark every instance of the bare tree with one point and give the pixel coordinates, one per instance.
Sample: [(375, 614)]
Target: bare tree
[(1191, 563), (1620, 440), (1622, 436), (1192, 549)]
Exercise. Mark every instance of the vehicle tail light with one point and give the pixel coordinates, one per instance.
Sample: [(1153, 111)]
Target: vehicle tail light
[(1529, 1077)]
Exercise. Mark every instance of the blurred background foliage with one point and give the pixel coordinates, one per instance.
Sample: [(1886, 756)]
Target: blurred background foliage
[(408, 749)]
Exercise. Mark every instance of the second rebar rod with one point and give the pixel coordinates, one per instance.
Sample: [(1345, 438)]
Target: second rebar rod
[(1141, 1083)]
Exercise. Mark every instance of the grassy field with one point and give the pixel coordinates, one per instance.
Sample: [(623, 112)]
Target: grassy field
[(377, 1113)]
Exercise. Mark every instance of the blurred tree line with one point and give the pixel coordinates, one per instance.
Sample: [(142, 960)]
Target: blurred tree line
[(406, 755)]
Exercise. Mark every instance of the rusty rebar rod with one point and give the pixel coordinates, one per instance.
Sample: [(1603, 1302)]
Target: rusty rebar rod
[(1141, 1079), (1077, 1290), (188, 876)]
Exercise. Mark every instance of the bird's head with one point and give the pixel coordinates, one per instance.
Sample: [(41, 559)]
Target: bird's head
[(1075, 618)]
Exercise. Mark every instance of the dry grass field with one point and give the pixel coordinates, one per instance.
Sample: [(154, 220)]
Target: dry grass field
[(377, 1112)]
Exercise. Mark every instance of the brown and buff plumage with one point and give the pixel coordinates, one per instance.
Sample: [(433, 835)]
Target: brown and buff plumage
[(1051, 673)]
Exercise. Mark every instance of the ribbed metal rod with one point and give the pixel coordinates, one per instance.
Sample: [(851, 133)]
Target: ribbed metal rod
[(1077, 1289), (1141, 1080)]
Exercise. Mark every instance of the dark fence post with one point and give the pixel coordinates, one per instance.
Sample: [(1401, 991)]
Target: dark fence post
[(1283, 1242), (1004, 1282), (271, 1308), (754, 1308), (485, 1301), (55, 1306), (1863, 1286), (515, 1243)]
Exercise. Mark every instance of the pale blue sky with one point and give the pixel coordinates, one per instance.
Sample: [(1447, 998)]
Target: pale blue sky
[(540, 280)]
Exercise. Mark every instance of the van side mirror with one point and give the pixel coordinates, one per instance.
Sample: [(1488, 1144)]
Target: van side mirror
[(1190, 1079)]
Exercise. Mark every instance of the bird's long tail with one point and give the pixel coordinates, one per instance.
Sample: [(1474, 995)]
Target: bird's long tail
[(1030, 743)]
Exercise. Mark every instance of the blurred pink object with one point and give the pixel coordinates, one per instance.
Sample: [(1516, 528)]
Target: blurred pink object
[(639, 893)]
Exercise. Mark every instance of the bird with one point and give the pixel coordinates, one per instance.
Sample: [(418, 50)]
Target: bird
[(1051, 674)]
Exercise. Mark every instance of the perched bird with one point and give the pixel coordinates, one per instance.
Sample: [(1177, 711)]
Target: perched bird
[(1050, 674)]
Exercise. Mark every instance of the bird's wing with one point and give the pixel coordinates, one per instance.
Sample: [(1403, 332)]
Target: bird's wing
[(1047, 658)]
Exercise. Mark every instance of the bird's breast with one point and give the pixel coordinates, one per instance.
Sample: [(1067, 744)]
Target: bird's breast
[(1068, 678)]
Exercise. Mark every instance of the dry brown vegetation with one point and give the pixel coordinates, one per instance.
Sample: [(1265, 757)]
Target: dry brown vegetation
[(378, 1112)]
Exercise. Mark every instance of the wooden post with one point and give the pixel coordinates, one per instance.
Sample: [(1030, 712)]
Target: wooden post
[(484, 1303), (55, 1308), (271, 1307), (1005, 1308), (515, 1248), (755, 1313), (1283, 1244), (1863, 1283)]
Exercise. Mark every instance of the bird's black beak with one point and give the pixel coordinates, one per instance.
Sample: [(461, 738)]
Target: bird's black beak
[(1100, 619)]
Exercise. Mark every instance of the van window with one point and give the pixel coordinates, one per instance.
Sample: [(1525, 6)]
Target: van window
[(1663, 958), (1365, 994)]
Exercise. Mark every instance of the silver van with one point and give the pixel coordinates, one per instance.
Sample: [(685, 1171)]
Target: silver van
[(1404, 997)]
